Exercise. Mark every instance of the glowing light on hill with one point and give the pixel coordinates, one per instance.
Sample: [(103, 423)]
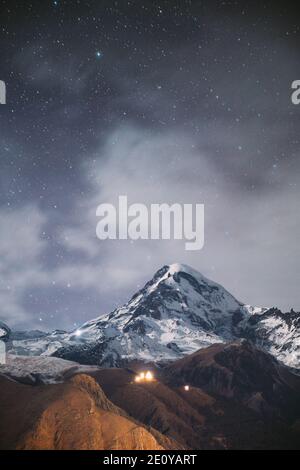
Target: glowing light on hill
[(187, 388), (146, 376), (149, 375)]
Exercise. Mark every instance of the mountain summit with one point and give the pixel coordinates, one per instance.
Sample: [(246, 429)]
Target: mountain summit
[(178, 312)]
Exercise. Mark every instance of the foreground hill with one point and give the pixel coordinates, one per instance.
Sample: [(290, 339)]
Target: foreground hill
[(226, 396), (71, 415)]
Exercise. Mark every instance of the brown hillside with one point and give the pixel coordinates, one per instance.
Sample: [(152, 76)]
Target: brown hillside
[(73, 415)]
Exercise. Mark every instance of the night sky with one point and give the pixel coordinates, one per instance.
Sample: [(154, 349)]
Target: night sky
[(182, 101)]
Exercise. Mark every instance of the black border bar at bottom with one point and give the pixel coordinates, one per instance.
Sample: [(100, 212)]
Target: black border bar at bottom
[(126, 458)]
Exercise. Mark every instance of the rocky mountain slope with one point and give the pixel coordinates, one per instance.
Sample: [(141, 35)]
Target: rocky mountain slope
[(242, 372), (71, 415)]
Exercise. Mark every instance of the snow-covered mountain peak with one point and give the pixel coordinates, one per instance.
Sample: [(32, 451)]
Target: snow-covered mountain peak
[(177, 312), (171, 272), (192, 289)]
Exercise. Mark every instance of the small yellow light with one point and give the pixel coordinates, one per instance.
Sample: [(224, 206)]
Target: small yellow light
[(186, 388), (149, 375)]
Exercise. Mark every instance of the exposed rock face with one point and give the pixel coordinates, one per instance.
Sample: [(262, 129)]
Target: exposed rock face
[(242, 372), (73, 415)]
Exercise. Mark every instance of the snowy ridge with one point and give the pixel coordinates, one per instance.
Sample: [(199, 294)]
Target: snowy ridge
[(29, 344)]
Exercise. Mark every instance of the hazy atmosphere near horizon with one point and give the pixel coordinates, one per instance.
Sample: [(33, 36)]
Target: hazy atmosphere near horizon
[(165, 102)]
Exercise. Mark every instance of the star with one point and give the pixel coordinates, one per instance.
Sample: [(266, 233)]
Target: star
[(99, 54)]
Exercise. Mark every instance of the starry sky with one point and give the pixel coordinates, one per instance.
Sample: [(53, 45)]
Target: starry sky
[(164, 101)]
